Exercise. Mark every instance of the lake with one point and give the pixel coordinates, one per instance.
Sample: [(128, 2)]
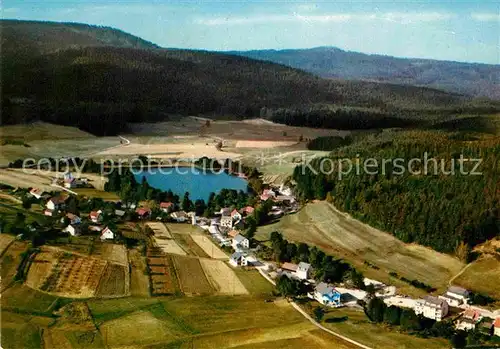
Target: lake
[(198, 185)]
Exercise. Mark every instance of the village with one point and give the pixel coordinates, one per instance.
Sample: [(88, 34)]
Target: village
[(225, 237)]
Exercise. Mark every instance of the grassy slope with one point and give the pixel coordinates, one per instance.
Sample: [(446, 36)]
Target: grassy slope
[(344, 237), (356, 325), (487, 270)]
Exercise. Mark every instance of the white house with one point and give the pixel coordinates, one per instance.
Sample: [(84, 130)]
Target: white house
[(236, 259), (179, 216), (240, 242), (303, 271), (95, 216), (72, 229), (468, 321), (107, 234), (167, 207), (119, 213), (456, 296), (432, 307), (56, 203), (226, 221), (73, 218), (327, 295), (36, 193), (235, 215)]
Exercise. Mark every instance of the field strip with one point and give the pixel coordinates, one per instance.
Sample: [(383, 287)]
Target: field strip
[(160, 229), (170, 246), (209, 247), (222, 277)]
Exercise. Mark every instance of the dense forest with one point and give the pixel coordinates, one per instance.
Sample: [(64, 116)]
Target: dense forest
[(99, 79), (448, 212)]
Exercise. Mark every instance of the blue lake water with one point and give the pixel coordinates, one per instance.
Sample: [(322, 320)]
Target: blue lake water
[(198, 185)]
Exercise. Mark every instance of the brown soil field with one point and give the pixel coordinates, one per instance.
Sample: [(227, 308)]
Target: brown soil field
[(139, 281), (188, 244), (74, 276), (191, 276), (112, 252), (211, 249), (5, 241), (114, 282), (222, 277), (155, 269)]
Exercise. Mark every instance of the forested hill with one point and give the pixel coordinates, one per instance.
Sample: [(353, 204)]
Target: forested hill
[(99, 78), (445, 208), (46, 37), (330, 62)]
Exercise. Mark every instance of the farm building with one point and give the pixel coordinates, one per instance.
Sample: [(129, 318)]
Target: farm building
[(486, 327), (285, 199), (95, 228), (120, 213), (456, 296), (107, 234), (179, 216), (496, 327), (432, 307), (248, 210), (326, 295), (240, 242), (167, 207), (95, 216), (73, 218), (303, 271), (289, 267), (143, 212), (235, 215), (236, 259), (48, 212), (232, 234), (56, 203), (36, 193), (72, 229)]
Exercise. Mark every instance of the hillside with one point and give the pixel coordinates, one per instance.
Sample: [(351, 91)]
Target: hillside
[(330, 62), (100, 78), (44, 37)]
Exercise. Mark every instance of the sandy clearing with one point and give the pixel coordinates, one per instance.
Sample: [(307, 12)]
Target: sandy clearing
[(209, 247), (171, 150), (170, 246), (160, 229), (222, 278), (263, 144)]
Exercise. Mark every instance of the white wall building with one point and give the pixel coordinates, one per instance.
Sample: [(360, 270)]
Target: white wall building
[(432, 307), (456, 296), (107, 234), (303, 271), (240, 242)]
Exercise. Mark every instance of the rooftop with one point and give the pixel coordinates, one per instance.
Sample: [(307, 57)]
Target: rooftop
[(289, 266), (434, 300), (458, 290)]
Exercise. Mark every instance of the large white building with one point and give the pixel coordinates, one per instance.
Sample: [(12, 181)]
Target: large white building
[(432, 307)]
